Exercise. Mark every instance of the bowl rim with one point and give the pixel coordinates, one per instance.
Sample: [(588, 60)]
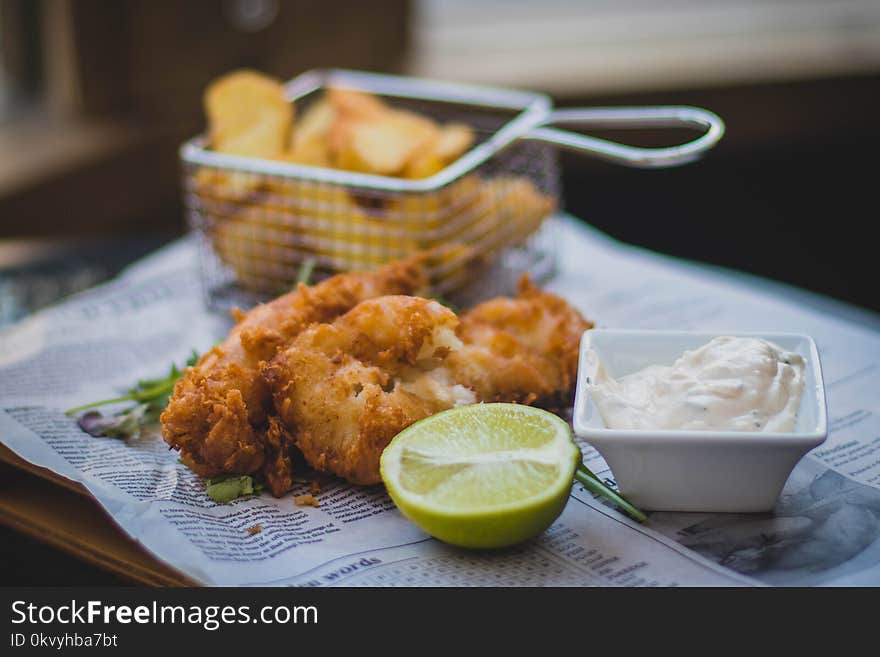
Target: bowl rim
[(605, 435)]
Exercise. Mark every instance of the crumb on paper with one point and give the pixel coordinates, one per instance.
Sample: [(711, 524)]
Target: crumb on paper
[(314, 487), (256, 529), (305, 500)]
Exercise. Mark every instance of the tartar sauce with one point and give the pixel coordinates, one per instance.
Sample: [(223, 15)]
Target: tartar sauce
[(728, 384)]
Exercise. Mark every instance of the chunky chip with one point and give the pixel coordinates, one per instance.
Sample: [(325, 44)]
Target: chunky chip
[(309, 143), (385, 144), (352, 104), (424, 163), (248, 114), (447, 144), (454, 140), (264, 227), (350, 107)]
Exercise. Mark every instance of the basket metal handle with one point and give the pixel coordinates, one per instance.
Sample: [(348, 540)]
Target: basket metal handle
[(631, 117)]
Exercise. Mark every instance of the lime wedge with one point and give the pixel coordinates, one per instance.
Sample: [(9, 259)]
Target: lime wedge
[(484, 475)]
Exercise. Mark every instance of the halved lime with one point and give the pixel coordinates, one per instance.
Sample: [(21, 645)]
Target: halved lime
[(484, 475)]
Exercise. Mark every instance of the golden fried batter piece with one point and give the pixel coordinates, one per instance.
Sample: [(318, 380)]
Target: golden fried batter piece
[(523, 349), (220, 415), (346, 388)]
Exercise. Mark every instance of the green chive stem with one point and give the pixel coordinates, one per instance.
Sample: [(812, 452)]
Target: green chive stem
[(306, 268), (103, 402), (593, 484), (140, 396)]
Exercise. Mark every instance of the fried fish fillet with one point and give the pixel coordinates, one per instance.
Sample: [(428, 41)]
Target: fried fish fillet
[(221, 416), (344, 389), (522, 349)]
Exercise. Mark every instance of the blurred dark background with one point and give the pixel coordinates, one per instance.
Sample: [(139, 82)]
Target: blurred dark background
[(95, 98)]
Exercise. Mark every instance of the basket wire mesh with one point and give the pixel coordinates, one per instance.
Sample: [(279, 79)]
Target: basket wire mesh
[(482, 221)]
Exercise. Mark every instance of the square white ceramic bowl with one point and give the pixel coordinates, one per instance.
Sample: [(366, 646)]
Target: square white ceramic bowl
[(734, 471)]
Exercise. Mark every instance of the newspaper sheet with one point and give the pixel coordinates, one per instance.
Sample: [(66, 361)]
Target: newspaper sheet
[(823, 531)]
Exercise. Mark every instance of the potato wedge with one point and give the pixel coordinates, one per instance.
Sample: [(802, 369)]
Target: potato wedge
[(454, 140), (353, 104), (309, 143), (248, 114), (385, 145), (451, 141), (423, 164)]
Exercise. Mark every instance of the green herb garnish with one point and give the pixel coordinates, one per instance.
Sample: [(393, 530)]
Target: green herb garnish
[(224, 489), (151, 396), (596, 486), (306, 269)]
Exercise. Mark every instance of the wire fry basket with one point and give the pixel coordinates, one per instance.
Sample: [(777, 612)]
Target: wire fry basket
[(481, 220)]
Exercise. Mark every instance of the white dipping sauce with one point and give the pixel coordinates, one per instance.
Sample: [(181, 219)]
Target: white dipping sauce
[(728, 384)]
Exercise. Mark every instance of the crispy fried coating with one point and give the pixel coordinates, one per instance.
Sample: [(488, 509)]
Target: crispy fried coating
[(522, 349), (220, 416), (346, 388), (335, 371)]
